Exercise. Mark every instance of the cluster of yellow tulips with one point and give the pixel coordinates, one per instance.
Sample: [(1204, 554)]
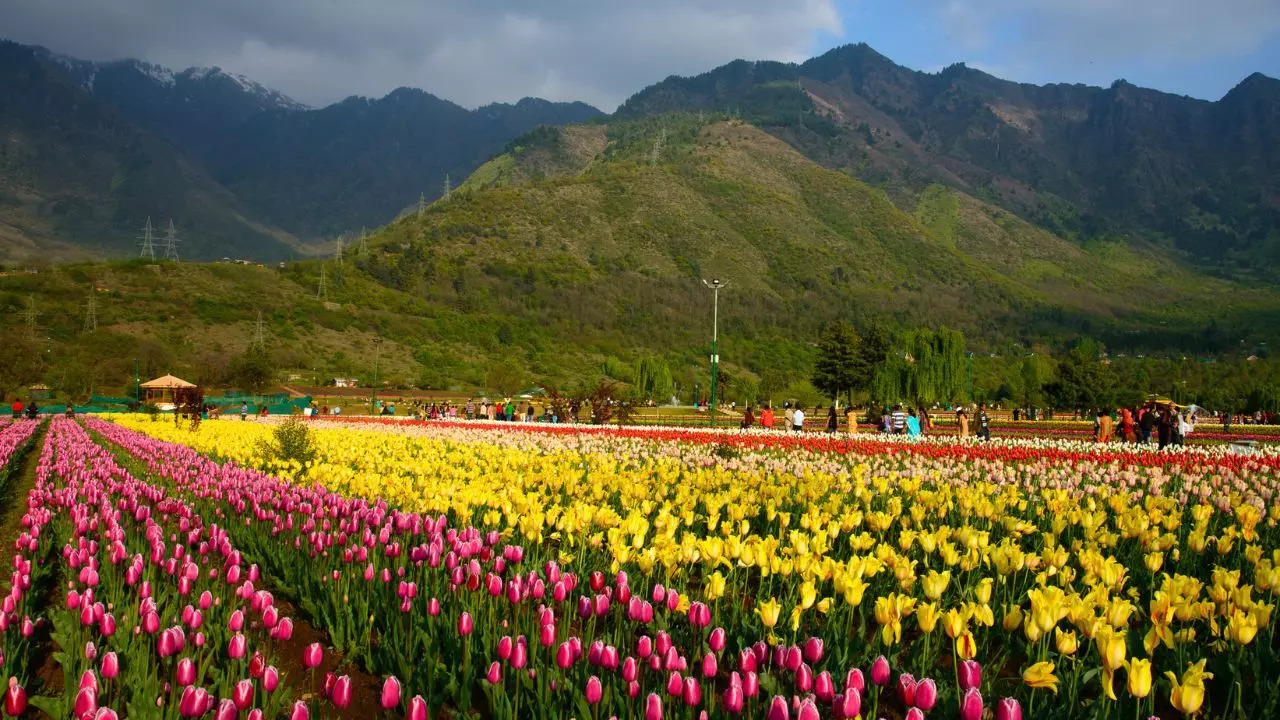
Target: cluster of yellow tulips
[(1073, 580)]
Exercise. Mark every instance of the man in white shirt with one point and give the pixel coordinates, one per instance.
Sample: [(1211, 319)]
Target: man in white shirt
[(899, 420), (797, 420)]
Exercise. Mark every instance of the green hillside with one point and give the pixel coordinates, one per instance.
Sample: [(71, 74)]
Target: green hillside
[(580, 249)]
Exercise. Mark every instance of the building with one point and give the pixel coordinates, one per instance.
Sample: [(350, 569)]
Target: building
[(161, 391)]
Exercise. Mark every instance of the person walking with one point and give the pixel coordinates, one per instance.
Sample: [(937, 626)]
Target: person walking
[(766, 417), (984, 422), (17, 408), (789, 414), (1128, 429), (850, 420), (244, 410), (797, 420), (1165, 427), (833, 421), (1146, 424), (926, 423), (962, 419), (913, 424)]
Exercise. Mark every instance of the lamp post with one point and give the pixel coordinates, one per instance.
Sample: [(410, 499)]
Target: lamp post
[(969, 370), (715, 286), (377, 355)]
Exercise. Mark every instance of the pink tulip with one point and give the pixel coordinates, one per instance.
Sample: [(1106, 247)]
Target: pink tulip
[(880, 671), (594, 691), (853, 679), (907, 689), (630, 669), (15, 699), (106, 714), (926, 694), (692, 692), (675, 684), (733, 699), (794, 658), (236, 622), (709, 665), (257, 664), (808, 711), (564, 656), (110, 665), (300, 711), (86, 701), (652, 707), (185, 674), (390, 692), (824, 687), (716, 641), (971, 705), (1009, 709), (547, 635), (804, 678), (256, 714), (433, 607), (914, 713), (505, 645), (283, 630), (851, 704), (969, 674), (107, 625), (312, 656), (227, 710), (750, 684), (270, 678), (237, 647), (242, 694), (494, 675), (813, 648), (778, 709), (644, 646), (417, 709), (465, 624)]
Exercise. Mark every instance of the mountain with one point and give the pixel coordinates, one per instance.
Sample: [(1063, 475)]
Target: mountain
[(79, 177), (361, 162), (1199, 177), (95, 148)]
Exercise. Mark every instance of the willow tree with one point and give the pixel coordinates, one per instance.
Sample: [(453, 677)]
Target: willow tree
[(924, 367), (652, 378)]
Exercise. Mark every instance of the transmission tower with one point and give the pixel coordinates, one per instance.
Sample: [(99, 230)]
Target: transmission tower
[(338, 254), (260, 330), (29, 315), (91, 312), (171, 242), (363, 249), (148, 241), (448, 187), (323, 292), (422, 203), (658, 147)]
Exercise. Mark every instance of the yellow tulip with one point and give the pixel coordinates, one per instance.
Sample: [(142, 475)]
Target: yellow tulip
[(1153, 561), (1139, 677), (1066, 641), (953, 623), (1188, 694), (1040, 676), (983, 591), (768, 610), (715, 586), (935, 583), (1242, 627), (966, 646), (1012, 618), (927, 617), (808, 594)]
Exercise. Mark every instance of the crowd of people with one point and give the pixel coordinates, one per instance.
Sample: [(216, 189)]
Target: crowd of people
[(1165, 422)]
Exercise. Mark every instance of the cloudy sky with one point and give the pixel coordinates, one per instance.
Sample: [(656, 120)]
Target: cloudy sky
[(477, 51)]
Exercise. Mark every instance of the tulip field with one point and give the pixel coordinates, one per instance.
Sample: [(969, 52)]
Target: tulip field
[(497, 570)]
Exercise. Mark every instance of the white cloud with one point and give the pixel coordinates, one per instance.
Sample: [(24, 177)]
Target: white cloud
[(474, 52)]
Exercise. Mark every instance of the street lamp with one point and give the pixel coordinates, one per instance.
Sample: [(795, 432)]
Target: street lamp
[(970, 374), (715, 286), (377, 355)]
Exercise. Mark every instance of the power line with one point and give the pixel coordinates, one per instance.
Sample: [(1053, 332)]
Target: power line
[(171, 242), (448, 187), (148, 241), (260, 331)]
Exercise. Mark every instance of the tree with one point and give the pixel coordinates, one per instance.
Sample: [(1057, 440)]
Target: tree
[(506, 378), (1082, 382), (872, 351), (836, 370), (652, 378), (1032, 382), (253, 371)]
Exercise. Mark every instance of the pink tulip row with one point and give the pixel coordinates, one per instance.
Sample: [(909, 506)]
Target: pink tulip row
[(13, 437)]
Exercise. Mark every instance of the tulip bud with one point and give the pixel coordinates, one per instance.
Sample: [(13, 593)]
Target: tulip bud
[(594, 691), (15, 699), (465, 624), (717, 640), (851, 703), (417, 709), (880, 671), (692, 692), (110, 665), (907, 689), (733, 699), (237, 646), (185, 674), (242, 694), (813, 648), (914, 713), (969, 674), (630, 669), (778, 709), (270, 679), (807, 711), (750, 684), (926, 694), (300, 711), (312, 656), (1008, 709), (652, 707), (390, 693), (971, 705)]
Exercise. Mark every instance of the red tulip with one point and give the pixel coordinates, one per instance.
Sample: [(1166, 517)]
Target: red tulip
[(804, 678), (417, 709), (907, 689), (564, 656), (504, 647), (242, 694), (1009, 709), (971, 705), (15, 699), (969, 674), (256, 714), (926, 694), (594, 691), (257, 664), (390, 692), (312, 656), (880, 671), (794, 658)]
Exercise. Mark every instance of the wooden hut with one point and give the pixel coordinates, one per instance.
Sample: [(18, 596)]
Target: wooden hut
[(163, 391)]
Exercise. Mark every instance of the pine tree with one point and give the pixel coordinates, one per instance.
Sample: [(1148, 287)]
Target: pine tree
[(836, 370)]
